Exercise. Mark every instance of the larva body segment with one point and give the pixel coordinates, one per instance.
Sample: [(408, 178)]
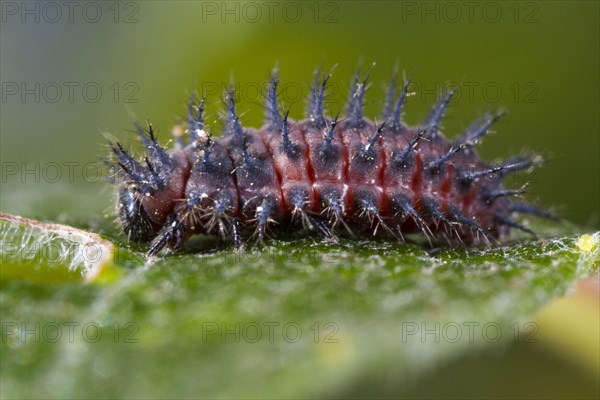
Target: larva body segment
[(320, 173), (210, 192), (289, 154)]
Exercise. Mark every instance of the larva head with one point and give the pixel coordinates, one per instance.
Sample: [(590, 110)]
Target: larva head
[(149, 188), (133, 217)]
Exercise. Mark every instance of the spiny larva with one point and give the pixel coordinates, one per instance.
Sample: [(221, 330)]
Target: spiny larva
[(328, 175)]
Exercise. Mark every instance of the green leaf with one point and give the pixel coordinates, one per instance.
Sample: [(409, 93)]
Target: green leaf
[(293, 319)]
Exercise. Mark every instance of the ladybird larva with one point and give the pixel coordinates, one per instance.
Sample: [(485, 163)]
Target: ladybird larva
[(324, 174)]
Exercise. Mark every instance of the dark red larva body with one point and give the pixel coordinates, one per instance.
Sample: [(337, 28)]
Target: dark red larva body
[(329, 175)]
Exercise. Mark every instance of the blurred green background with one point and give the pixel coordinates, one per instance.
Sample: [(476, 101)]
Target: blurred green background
[(538, 59)]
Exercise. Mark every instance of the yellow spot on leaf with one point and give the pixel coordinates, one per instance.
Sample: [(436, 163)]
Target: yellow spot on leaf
[(587, 243)]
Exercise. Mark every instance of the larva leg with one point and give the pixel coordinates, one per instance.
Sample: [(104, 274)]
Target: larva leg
[(263, 217), (171, 235), (236, 234), (322, 228)]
